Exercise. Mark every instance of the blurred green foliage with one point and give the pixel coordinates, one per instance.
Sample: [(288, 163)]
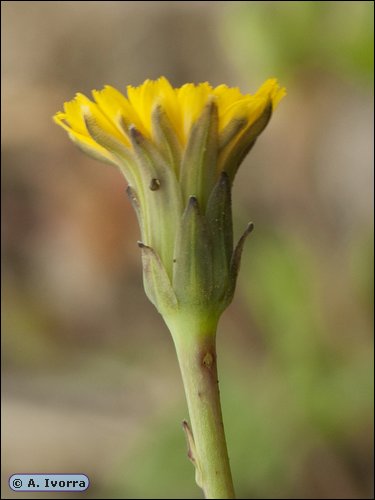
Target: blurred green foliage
[(289, 38), (284, 298)]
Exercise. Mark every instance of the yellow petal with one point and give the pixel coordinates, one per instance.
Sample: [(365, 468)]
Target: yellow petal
[(115, 113), (271, 90)]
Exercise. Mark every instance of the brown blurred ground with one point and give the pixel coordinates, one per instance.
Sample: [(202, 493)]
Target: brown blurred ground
[(91, 383)]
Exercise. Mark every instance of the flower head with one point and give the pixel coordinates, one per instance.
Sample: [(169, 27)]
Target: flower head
[(179, 149), (181, 107)]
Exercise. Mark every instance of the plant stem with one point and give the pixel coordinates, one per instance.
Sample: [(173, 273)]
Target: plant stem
[(207, 446)]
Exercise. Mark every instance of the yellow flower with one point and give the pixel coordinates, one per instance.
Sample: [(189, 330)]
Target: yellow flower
[(179, 149), (114, 113)]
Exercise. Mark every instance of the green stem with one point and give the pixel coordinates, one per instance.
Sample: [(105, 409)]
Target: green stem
[(207, 446)]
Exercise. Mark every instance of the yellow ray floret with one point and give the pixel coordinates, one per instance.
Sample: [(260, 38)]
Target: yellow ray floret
[(114, 113)]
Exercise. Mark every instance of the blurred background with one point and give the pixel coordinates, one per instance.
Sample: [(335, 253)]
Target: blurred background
[(90, 378)]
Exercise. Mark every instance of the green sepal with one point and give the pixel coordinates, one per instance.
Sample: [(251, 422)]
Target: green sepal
[(165, 138), (91, 151), (162, 201), (121, 154), (234, 153), (192, 268), (199, 162), (235, 263), (231, 130), (134, 200), (156, 282), (219, 221), (143, 156)]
